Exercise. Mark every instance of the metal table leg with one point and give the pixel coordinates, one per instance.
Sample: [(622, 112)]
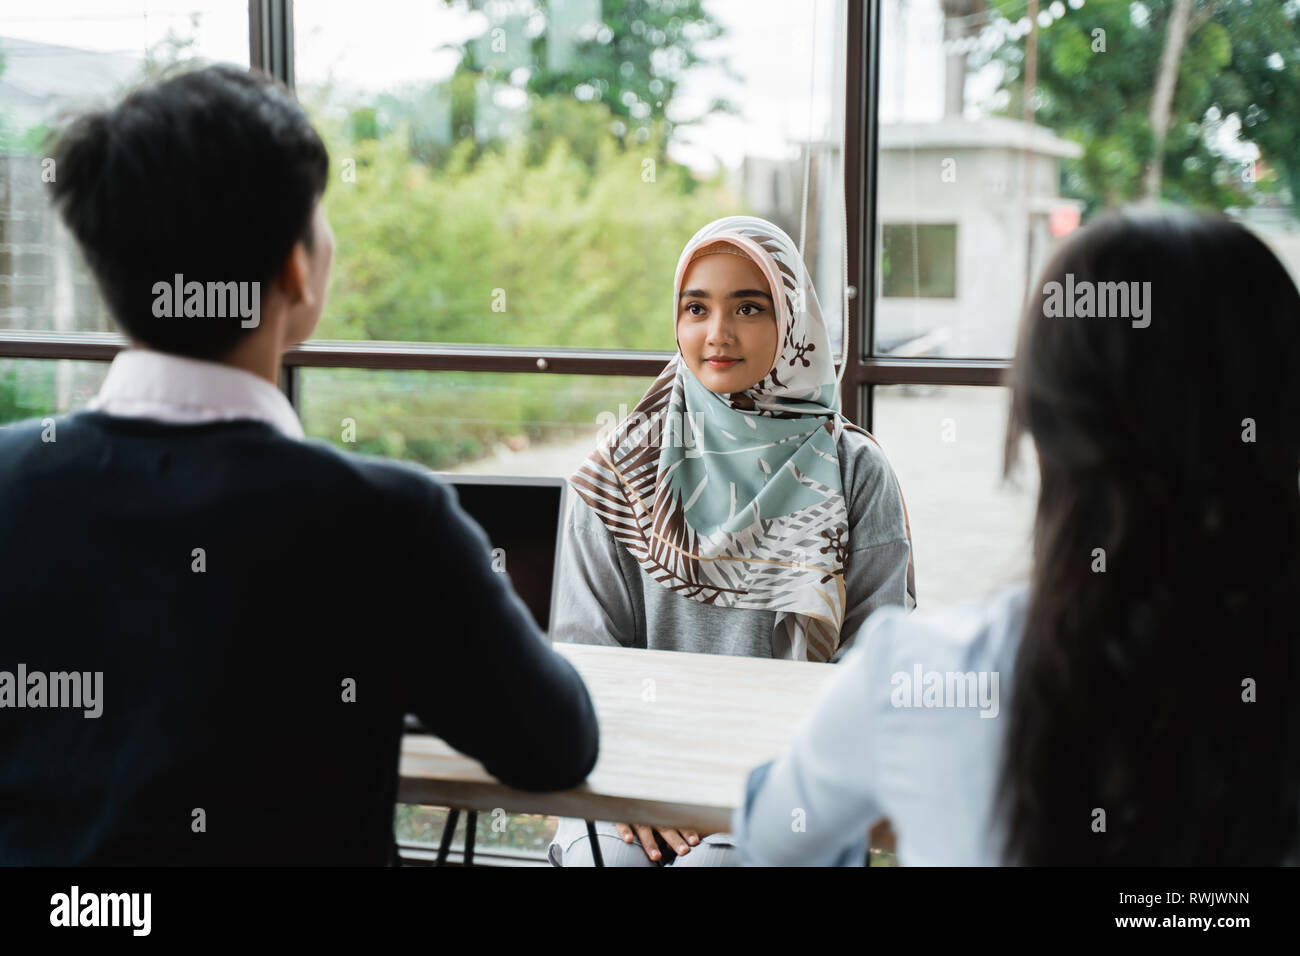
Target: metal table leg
[(447, 831), (471, 825), (596, 857)]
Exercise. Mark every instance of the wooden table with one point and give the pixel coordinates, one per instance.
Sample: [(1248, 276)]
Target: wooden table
[(679, 734)]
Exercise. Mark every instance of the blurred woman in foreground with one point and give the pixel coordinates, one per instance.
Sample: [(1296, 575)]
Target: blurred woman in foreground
[(1135, 702)]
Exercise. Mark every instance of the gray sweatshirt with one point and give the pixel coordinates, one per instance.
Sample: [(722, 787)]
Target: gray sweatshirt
[(606, 598)]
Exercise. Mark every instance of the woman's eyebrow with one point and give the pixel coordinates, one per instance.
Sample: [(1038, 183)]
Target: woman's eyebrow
[(738, 294)]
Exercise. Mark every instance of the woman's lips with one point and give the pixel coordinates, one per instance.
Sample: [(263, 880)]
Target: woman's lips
[(722, 363)]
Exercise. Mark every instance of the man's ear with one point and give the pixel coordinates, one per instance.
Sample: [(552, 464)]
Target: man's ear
[(293, 276)]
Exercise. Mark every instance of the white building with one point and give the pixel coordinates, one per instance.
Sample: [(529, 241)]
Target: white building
[(967, 213)]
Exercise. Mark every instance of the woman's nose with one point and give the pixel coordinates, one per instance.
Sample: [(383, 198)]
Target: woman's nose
[(719, 330)]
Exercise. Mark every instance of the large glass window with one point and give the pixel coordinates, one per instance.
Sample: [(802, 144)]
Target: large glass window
[(971, 528), (919, 260), (527, 171), (1020, 130), (34, 388), (479, 422)]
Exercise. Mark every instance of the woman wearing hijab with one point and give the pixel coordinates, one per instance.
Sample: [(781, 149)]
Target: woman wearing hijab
[(736, 510), (1164, 586)]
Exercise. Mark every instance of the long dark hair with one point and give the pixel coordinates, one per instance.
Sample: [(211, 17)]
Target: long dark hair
[(1163, 689)]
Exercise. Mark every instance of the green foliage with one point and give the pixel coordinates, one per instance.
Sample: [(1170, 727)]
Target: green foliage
[(630, 59), (26, 389), (1101, 99), (28, 141), (1261, 83), (13, 140), (173, 52), (511, 248), (423, 825), (441, 419)]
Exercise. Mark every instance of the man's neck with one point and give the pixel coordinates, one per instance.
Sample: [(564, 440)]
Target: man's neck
[(260, 353), (263, 363)]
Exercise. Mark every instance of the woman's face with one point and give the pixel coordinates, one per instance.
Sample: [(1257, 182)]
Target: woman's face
[(726, 322)]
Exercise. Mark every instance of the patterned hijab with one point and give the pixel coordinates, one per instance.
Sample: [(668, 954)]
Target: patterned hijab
[(737, 500)]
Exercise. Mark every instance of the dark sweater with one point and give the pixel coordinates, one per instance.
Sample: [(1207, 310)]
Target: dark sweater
[(223, 690)]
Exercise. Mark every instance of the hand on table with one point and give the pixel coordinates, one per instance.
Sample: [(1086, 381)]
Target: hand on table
[(680, 840)]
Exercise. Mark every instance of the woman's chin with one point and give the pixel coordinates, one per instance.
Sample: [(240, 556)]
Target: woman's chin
[(723, 383)]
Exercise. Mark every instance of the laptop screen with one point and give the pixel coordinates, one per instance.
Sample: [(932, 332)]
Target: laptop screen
[(521, 517)]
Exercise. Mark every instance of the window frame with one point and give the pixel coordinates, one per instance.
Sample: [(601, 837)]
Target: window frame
[(270, 34)]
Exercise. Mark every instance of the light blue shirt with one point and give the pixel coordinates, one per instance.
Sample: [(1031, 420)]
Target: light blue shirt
[(910, 728)]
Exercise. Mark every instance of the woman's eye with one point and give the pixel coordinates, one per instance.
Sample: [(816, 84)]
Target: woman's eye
[(692, 306), (755, 310)]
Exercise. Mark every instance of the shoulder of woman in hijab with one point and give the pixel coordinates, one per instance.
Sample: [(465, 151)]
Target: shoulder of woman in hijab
[(865, 469)]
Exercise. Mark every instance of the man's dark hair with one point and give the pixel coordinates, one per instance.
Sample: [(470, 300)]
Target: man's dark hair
[(213, 174)]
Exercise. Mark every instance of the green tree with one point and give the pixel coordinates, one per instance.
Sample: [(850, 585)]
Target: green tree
[(626, 55), (1262, 83), (15, 139), (1098, 67), (173, 52), (25, 389)]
